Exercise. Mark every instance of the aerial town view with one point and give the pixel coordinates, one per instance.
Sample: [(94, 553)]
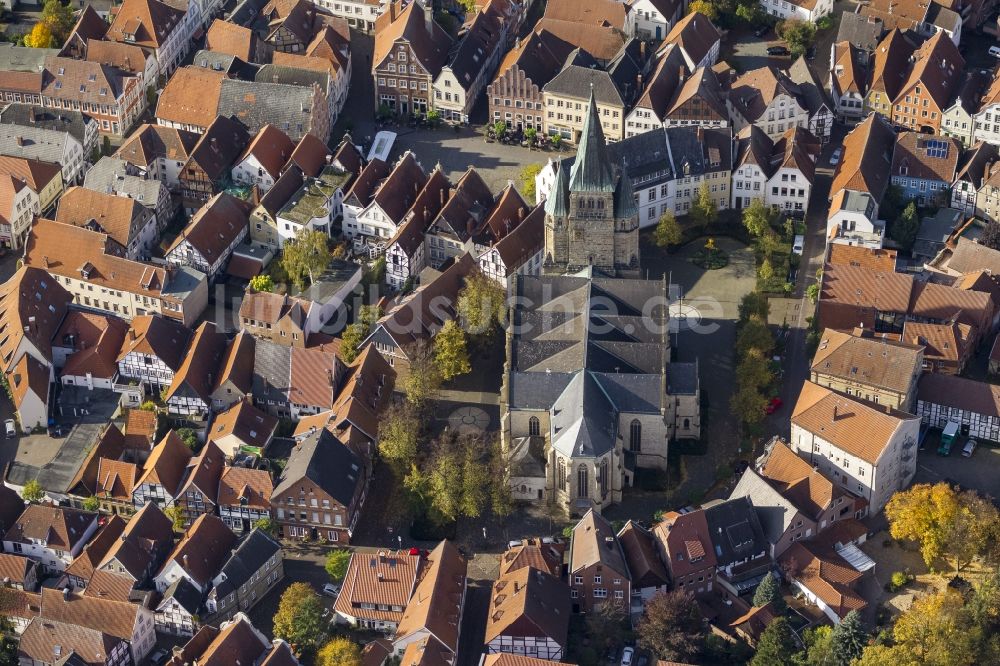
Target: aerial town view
[(500, 332)]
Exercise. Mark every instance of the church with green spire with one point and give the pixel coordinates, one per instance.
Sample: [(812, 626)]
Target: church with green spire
[(591, 217)]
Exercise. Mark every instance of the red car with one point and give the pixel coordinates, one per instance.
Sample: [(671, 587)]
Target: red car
[(773, 406)]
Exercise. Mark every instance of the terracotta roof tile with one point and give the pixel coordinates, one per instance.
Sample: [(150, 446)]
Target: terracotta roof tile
[(47, 641), (695, 34), (167, 463), (150, 142), (32, 307), (203, 549), (62, 528), (810, 492), (191, 97), (926, 157), (437, 602), (241, 483), (245, 422), (595, 542), (825, 574), (855, 255), (685, 534), (143, 539), (205, 470), (14, 568), (28, 376), (942, 342), (236, 40), (529, 602), (66, 250), (867, 359), (84, 564), (867, 158), (430, 49), (156, 336), (272, 148), (385, 578), (116, 618), (35, 173), (534, 553), (115, 479), (95, 339), (147, 23), (838, 419), (118, 217), (644, 563), (960, 393), (237, 363), (126, 57), (214, 227)]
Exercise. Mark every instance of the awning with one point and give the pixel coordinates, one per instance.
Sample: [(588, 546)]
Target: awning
[(855, 557)]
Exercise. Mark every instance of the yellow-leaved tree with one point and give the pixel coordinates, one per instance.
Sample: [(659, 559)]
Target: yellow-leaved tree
[(40, 37)]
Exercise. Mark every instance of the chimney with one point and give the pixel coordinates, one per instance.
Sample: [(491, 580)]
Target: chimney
[(642, 51), (66, 593), (20, 140), (835, 412), (185, 558), (31, 115), (444, 196), (429, 17), (520, 213)]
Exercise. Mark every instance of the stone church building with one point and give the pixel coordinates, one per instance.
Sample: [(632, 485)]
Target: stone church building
[(591, 215), (589, 393)]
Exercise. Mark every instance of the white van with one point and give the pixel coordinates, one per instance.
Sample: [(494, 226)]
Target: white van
[(798, 244), (995, 51)]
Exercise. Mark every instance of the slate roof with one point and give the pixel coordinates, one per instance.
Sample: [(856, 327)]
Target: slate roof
[(327, 462), (112, 174), (47, 145), (774, 511), (60, 120), (184, 593), (735, 530), (246, 560), (861, 31)]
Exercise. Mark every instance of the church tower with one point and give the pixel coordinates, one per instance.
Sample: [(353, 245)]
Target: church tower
[(591, 217)]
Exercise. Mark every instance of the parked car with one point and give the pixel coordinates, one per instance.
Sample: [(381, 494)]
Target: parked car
[(760, 32), (627, 656), (331, 590), (10, 428), (969, 449), (811, 53), (835, 158), (159, 657), (945, 448), (995, 51), (773, 406), (778, 51), (798, 244)]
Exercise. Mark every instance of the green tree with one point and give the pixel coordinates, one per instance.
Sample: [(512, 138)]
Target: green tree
[(352, 337), (704, 7), (336, 563), (769, 592), (176, 515), (607, 626), (368, 316), (799, 35), (397, 438), (451, 354), (703, 210), (757, 218), (754, 304), (754, 370), (812, 292), (754, 334), (528, 174), (423, 380), (59, 19), (818, 649), (904, 229), (556, 141), (33, 492), (339, 651), (305, 256), (671, 626), (190, 438), (777, 645), (262, 283), (848, 639), (748, 404), (766, 271), (991, 235), (668, 231), (266, 525), (500, 129), (531, 134), (481, 305), (299, 619), (501, 500), (750, 13), (91, 503), (444, 486)]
